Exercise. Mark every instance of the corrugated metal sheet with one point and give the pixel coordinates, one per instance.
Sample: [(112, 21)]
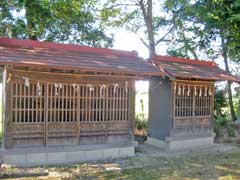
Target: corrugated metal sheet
[(61, 56), (193, 69)]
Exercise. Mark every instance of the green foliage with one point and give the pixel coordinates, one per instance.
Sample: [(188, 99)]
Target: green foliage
[(197, 32), (221, 114), (141, 124), (220, 104), (237, 102), (221, 123), (74, 21)]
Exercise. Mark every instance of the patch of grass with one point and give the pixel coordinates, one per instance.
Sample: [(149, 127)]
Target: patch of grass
[(222, 166)]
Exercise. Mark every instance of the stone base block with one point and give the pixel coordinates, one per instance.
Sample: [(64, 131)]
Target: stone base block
[(179, 144), (57, 156)]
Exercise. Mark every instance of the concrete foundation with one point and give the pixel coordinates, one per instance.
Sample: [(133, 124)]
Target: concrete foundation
[(28, 157), (180, 143)]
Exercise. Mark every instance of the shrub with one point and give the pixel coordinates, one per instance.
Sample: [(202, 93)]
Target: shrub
[(141, 124)]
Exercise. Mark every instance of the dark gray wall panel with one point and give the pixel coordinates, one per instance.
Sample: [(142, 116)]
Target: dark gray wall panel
[(159, 108)]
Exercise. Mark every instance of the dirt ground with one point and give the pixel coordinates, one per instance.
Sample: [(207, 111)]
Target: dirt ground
[(221, 162)]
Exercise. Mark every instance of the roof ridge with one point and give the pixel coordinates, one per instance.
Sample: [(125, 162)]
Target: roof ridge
[(67, 47), (184, 60)]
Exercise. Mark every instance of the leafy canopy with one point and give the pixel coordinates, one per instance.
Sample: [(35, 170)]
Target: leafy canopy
[(74, 21)]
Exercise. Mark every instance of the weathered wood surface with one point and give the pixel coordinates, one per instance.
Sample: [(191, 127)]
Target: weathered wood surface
[(193, 107), (62, 113)]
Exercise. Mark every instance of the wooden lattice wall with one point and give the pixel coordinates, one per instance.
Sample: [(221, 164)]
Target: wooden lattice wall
[(193, 107), (63, 113)]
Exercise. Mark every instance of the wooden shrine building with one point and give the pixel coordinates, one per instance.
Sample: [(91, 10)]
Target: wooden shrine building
[(67, 103), (181, 106)]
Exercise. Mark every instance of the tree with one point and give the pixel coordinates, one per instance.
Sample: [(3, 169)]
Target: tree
[(218, 25), (142, 17), (72, 21)]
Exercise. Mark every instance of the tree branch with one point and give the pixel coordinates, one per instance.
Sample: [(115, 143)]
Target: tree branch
[(163, 37), (144, 42)]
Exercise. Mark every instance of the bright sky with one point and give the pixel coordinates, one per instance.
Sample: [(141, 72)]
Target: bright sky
[(125, 40)]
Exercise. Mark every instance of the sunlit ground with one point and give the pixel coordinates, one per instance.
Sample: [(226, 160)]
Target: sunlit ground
[(219, 166)]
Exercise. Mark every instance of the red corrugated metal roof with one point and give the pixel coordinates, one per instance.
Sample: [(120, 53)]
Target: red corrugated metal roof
[(62, 56), (193, 69)]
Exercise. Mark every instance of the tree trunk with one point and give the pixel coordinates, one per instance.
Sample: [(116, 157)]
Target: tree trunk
[(229, 89), (152, 50), (148, 19)]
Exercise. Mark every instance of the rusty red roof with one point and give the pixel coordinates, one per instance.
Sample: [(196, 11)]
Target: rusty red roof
[(73, 57), (193, 69)]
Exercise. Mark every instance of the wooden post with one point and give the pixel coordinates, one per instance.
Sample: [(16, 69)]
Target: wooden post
[(4, 131), (212, 106), (194, 111), (7, 111), (172, 104), (131, 109)]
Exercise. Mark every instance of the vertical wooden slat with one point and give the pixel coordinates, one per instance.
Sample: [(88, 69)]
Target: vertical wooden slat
[(82, 102), (51, 102), (24, 103), (78, 115), (114, 105), (20, 103), (100, 107), (98, 103), (32, 104), (70, 104), (63, 96), (126, 104), (41, 107), (119, 102), (28, 104), (16, 96), (58, 105), (66, 103), (86, 102), (107, 104), (104, 105), (46, 114), (110, 102), (73, 105), (54, 105)]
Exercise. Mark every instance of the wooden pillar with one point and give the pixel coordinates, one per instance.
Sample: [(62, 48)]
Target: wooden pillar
[(172, 115), (212, 106), (4, 73), (131, 108), (194, 112), (6, 110)]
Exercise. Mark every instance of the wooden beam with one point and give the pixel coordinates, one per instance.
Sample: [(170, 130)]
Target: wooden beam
[(81, 75), (195, 82)]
